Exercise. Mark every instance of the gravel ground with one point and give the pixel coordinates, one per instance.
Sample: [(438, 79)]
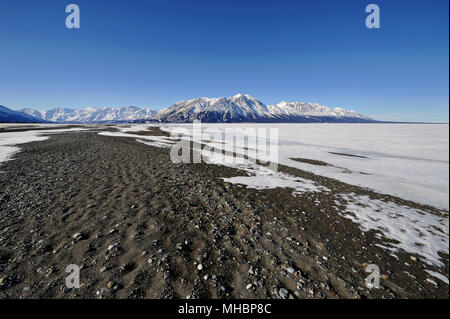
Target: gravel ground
[(141, 226)]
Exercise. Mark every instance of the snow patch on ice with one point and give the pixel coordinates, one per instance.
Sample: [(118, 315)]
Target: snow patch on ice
[(413, 230), (260, 177), (410, 161)]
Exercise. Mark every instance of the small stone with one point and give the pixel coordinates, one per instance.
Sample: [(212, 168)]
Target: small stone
[(150, 261), (200, 267), (325, 258), (283, 293), (65, 289), (413, 258), (77, 235), (101, 291), (297, 294), (249, 286), (291, 270), (111, 247), (110, 284), (103, 269), (431, 281)]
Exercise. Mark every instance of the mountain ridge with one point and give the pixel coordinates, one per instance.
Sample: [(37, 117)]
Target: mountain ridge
[(245, 108), (91, 114), (10, 116), (233, 109)]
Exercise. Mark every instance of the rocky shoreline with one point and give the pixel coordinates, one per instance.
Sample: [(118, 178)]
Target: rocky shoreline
[(140, 226)]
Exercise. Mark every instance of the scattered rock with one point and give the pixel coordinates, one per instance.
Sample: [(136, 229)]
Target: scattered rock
[(431, 281), (291, 270), (77, 236), (283, 292), (65, 289)]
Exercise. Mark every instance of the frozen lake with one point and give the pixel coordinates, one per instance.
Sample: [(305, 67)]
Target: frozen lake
[(410, 161), (406, 160)]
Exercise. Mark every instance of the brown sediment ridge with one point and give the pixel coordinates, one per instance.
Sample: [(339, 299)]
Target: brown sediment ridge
[(310, 161), (349, 155), (148, 223)]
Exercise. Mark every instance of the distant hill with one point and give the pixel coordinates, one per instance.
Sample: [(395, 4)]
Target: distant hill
[(9, 116)]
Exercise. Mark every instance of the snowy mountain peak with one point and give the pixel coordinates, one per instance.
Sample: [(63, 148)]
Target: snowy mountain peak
[(240, 107), (313, 109), (240, 96)]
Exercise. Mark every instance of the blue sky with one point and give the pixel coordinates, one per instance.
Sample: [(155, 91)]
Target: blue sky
[(155, 53)]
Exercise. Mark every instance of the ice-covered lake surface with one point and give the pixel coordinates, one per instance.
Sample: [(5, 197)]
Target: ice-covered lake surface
[(410, 161)]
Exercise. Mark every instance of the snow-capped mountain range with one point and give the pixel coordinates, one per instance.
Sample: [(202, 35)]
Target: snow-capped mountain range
[(238, 108), (245, 108), (92, 114)]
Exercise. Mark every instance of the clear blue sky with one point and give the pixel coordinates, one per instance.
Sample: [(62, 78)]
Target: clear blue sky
[(155, 53)]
